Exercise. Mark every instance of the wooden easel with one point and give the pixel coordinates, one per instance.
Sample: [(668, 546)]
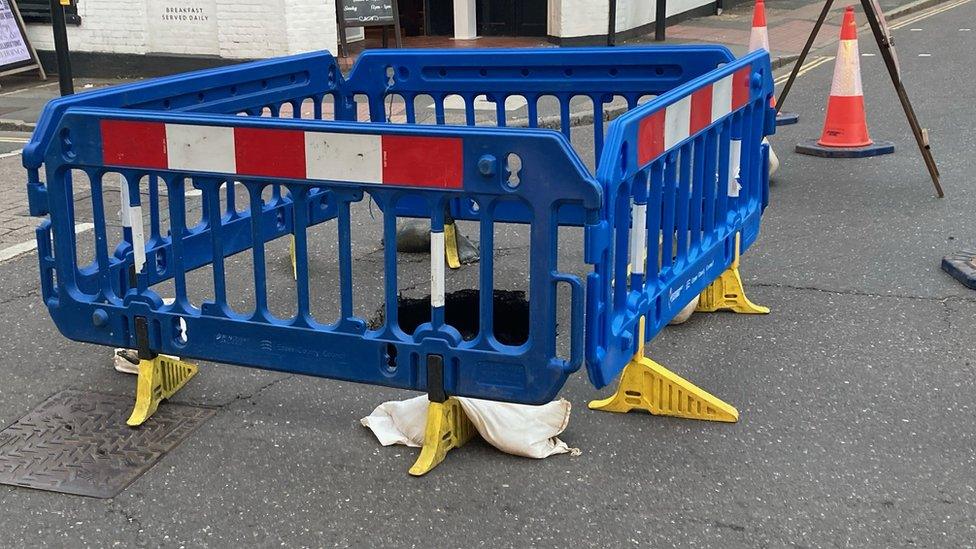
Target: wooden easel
[(34, 63), (392, 20), (882, 36)]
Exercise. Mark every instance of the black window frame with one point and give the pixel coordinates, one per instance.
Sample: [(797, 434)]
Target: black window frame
[(39, 11)]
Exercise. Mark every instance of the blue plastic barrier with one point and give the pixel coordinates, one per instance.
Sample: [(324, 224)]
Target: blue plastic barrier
[(678, 177)]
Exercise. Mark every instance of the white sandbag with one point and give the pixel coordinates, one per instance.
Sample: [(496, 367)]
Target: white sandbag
[(773, 159), (518, 429)]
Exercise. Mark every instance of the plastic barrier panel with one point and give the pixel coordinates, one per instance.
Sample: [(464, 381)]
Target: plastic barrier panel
[(678, 177)]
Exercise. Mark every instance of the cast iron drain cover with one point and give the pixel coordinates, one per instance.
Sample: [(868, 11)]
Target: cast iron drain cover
[(77, 442)]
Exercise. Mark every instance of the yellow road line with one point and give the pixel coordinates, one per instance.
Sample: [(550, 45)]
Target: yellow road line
[(927, 14), (20, 140), (807, 67)]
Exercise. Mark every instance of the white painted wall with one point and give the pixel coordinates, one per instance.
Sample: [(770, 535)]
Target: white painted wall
[(574, 18), (244, 28)]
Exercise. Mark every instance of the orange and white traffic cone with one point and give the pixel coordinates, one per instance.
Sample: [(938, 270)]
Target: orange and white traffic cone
[(759, 39), (845, 131)]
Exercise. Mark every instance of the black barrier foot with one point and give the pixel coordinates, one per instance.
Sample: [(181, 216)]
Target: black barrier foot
[(962, 267), (813, 148), (787, 118)]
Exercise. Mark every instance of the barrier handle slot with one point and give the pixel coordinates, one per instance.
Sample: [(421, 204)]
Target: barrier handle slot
[(576, 317)]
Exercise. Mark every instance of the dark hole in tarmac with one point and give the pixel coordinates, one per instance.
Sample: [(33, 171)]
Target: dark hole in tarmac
[(511, 314)]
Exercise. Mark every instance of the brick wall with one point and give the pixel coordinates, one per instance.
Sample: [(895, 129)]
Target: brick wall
[(244, 28)]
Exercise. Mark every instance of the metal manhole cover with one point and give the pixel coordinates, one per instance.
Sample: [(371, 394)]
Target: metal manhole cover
[(77, 442)]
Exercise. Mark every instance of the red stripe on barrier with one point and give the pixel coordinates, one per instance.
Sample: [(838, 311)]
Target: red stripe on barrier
[(134, 144), (701, 110), (270, 153), (435, 162), (741, 87), (650, 137)]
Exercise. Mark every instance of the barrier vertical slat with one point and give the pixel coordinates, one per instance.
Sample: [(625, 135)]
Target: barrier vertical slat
[(667, 220), (212, 190), (533, 110), (317, 106), (177, 227), (500, 110), (721, 204), (154, 235), (230, 192), (410, 108), (101, 240), (439, 109), (486, 283), (681, 208), (597, 124), (655, 179), (390, 260), (254, 191), (345, 261), (621, 245), (564, 121), (697, 180), (299, 195), (710, 181), (469, 114)]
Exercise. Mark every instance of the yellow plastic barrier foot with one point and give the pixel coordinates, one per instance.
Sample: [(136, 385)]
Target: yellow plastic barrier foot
[(447, 428), (726, 293), (646, 385), (451, 246), (159, 379)]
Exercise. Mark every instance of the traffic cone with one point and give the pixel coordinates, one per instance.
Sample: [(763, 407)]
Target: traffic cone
[(845, 131), (759, 39)]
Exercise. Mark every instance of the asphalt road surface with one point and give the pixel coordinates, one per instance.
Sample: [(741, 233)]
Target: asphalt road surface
[(855, 394)]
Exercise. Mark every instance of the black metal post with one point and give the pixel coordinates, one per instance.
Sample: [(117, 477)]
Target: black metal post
[(61, 48), (660, 18), (612, 24)]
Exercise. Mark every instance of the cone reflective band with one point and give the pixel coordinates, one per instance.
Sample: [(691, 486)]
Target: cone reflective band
[(845, 130), (759, 37)]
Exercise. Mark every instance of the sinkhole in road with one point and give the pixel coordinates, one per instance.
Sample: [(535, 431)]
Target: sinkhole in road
[(462, 311)]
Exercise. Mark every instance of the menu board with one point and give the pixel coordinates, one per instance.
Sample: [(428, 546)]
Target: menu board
[(15, 52), (357, 13)]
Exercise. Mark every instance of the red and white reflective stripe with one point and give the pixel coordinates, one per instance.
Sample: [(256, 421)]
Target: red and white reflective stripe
[(435, 162), (666, 128), (437, 269), (847, 71)]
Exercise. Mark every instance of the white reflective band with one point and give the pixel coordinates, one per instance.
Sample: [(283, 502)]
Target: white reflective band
[(677, 122), (735, 152), (638, 239), (344, 157), (721, 98), (138, 238), (200, 148), (124, 202), (758, 38), (847, 71), (436, 269)]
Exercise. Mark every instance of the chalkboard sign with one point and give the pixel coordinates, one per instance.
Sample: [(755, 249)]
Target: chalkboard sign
[(367, 13), (16, 52)]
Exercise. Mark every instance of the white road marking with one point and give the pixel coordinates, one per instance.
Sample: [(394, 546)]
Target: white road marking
[(29, 246), (11, 153)]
